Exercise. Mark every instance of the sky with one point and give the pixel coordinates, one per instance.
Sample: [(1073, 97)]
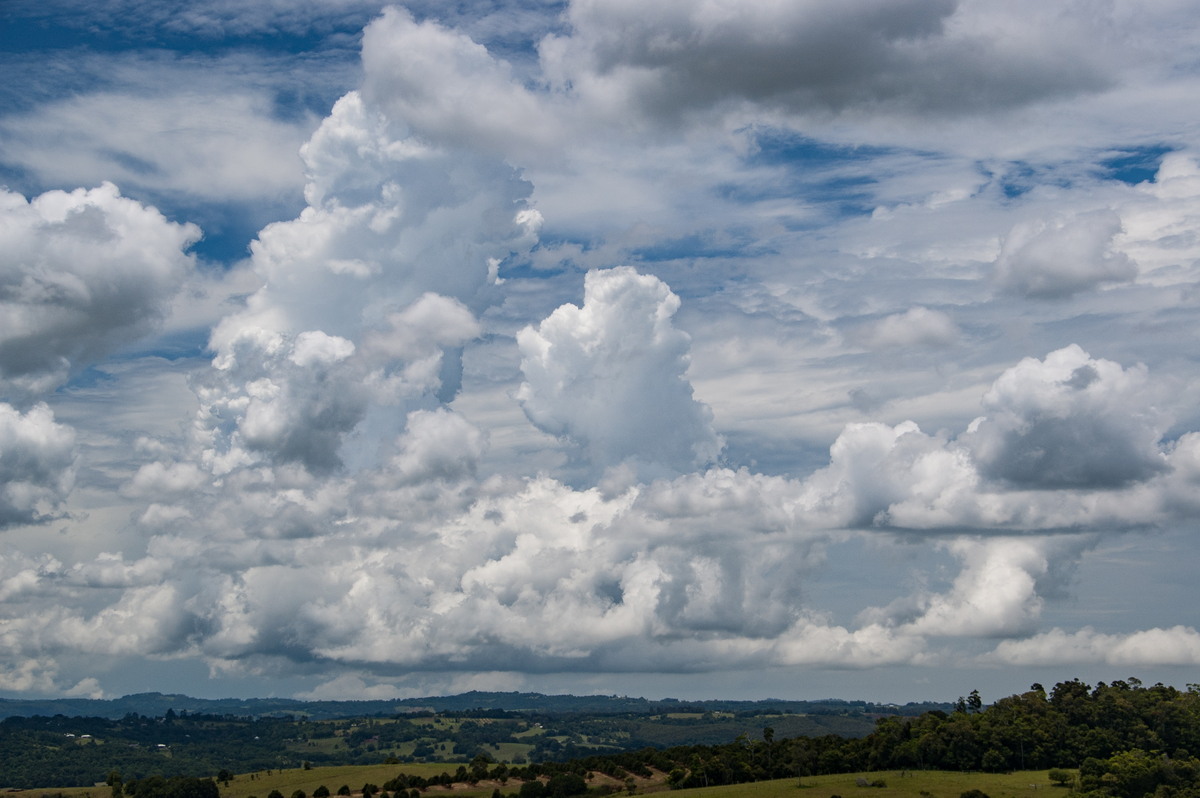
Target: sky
[(693, 349)]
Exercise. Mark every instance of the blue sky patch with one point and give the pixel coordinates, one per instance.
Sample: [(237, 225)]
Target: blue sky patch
[(1135, 165)]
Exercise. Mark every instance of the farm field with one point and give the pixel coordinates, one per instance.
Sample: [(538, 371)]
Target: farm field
[(899, 784)]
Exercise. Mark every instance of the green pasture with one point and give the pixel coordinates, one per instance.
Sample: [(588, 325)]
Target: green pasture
[(900, 784)]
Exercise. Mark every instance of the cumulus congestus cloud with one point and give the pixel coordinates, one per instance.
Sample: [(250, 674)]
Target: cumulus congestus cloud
[(367, 297), (611, 376)]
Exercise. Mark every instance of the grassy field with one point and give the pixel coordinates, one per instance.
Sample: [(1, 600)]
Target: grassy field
[(907, 784), (354, 776)]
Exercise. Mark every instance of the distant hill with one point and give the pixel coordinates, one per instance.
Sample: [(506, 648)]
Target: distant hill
[(158, 704)]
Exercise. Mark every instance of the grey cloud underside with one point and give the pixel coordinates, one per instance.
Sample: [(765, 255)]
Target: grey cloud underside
[(908, 57), (80, 274)]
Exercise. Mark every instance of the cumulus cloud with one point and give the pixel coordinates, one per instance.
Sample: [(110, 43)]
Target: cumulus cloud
[(438, 445), (443, 86), (81, 272), (291, 400), (390, 218), (1057, 258), (148, 619), (543, 576), (334, 507), (1068, 441), (352, 687), (611, 375), (31, 675), (883, 475), (417, 565), (916, 327), (1001, 589), (420, 567), (1177, 645), (294, 399), (367, 296), (435, 571), (1071, 421), (37, 464)]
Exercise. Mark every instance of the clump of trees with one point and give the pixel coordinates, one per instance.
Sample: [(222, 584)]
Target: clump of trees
[(1125, 739), (173, 787)]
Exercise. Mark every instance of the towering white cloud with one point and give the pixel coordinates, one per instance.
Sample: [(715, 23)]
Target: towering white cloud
[(442, 86), (611, 375), (367, 297), (390, 218)]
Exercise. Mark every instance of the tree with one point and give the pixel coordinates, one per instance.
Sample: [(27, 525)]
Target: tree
[(532, 789), (565, 784), (994, 761), (321, 792)]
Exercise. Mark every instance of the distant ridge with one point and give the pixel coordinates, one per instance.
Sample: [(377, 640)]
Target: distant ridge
[(158, 704)]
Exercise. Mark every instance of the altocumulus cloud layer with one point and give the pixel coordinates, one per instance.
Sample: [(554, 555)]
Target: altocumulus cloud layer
[(699, 348)]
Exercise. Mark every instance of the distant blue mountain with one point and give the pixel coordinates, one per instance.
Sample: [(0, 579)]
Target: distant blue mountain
[(159, 704)]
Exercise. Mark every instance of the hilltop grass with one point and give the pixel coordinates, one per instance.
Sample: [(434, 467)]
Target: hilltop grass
[(354, 776), (900, 784)]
